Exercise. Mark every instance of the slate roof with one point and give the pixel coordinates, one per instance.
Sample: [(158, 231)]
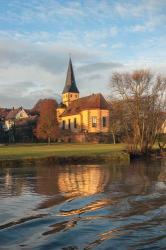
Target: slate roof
[(70, 84), (94, 101)]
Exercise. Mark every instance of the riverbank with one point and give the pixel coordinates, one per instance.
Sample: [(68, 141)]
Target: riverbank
[(61, 154)]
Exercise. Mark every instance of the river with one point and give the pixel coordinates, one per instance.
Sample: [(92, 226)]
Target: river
[(84, 207)]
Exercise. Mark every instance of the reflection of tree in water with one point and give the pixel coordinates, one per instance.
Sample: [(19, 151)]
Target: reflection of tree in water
[(68, 181), (46, 180), (161, 184), (141, 176), (71, 180), (162, 175), (135, 180), (11, 186)]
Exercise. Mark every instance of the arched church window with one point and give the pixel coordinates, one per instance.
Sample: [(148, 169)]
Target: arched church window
[(63, 124)]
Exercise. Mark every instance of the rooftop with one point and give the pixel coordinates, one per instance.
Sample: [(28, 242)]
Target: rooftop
[(94, 101), (70, 85)]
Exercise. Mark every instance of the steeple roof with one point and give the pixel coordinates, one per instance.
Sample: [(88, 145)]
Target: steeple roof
[(70, 85)]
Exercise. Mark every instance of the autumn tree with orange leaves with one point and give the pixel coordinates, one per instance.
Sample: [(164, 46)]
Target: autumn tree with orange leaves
[(47, 126)]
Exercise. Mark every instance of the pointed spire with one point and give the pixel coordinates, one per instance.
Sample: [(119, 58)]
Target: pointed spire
[(70, 85)]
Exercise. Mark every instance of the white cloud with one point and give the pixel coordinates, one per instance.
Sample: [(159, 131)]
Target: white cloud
[(117, 46), (141, 8), (31, 70), (33, 60), (97, 67)]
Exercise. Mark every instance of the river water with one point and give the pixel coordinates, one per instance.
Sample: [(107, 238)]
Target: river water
[(84, 207)]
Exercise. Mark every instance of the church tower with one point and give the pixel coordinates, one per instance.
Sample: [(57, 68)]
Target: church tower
[(70, 91)]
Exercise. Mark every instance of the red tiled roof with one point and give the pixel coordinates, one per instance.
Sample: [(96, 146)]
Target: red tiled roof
[(12, 114), (4, 112), (94, 101)]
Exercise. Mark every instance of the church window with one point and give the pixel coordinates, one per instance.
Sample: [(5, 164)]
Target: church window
[(104, 121), (63, 124), (69, 125), (94, 121), (75, 123)]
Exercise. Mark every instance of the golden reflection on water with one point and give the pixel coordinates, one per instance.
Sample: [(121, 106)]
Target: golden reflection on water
[(83, 181), (88, 208), (67, 182), (127, 192)]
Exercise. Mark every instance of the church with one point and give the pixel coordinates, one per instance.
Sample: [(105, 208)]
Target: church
[(82, 119)]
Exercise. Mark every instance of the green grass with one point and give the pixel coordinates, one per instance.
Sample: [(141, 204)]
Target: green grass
[(28, 151)]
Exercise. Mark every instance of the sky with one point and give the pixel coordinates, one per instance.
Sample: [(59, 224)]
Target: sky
[(101, 36)]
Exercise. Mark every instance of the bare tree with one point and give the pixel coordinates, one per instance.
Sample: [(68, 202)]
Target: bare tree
[(116, 119), (144, 97)]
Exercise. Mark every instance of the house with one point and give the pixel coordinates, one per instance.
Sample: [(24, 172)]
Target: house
[(17, 125), (85, 117), (14, 115), (3, 113)]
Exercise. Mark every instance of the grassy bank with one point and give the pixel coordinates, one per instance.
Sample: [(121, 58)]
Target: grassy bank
[(62, 152)]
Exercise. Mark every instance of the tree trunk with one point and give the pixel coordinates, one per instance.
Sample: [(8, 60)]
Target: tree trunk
[(113, 136), (49, 140)]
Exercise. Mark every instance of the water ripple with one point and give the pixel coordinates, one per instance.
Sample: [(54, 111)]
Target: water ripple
[(21, 221), (83, 207)]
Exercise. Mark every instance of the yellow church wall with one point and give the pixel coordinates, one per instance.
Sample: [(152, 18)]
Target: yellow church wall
[(72, 122), (85, 119), (90, 120), (59, 111), (106, 113), (69, 97), (98, 114)]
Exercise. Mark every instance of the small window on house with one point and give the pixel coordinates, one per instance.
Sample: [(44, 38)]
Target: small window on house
[(69, 125), (75, 96), (75, 123), (104, 121), (63, 124), (94, 121), (70, 95)]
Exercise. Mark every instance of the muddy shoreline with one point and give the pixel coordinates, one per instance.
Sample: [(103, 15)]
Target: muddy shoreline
[(50, 160)]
